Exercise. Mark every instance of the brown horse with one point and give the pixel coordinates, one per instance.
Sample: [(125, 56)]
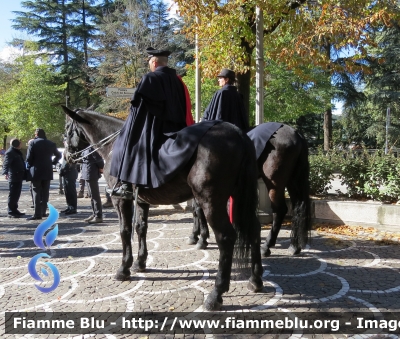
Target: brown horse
[(223, 165), (282, 162)]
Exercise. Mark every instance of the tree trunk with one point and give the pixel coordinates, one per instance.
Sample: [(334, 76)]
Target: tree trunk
[(328, 112), (243, 80), (243, 85), (327, 129)]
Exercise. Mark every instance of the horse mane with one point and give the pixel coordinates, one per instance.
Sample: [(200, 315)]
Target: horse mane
[(97, 113), (97, 117)]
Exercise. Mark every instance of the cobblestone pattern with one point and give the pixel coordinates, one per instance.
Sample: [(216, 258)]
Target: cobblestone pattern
[(341, 273)]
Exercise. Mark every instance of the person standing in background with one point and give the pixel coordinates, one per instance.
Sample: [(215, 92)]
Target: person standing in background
[(108, 202), (60, 186), (69, 174), (14, 172), (30, 180), (40, 164), (92, 167), (81, 192)]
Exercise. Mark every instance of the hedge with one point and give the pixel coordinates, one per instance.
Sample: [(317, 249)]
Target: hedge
[(366, 176)]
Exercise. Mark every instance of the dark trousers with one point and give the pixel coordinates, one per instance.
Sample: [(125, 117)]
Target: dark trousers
[(81, 185), (31, 192), (94, 192), (40, 189), (69, 182), (13, 195), (108, 196)]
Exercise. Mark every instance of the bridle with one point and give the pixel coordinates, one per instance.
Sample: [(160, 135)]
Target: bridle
[(107, 140)]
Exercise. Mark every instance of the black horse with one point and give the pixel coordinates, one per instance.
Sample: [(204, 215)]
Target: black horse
[(282, 163), (223, 165)]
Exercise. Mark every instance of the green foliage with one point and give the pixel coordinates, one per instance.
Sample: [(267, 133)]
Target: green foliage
[(208, 88), (119, 50), (383, 85), (289, 96), (383, 178), (311, 127), (353, 169), (32, 100), (63, 30), (321, 172), (365, 176)]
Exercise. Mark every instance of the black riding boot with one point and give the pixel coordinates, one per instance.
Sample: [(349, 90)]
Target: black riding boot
[(124, 191)]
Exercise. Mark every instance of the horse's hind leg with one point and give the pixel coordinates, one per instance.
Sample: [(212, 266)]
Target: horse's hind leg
[(194, 237), (300, 223), (200, 227), (141, 230), (225, 237), (124, 211), (204, 233), (279, 210), (255, 283)]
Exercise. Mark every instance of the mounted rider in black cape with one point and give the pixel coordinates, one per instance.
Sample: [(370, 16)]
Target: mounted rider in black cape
[(227, 103), (159, 108)]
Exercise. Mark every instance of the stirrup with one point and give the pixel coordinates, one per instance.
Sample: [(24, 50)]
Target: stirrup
[(120, 192)]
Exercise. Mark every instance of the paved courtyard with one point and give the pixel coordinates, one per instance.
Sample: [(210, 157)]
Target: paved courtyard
[(335, 273)]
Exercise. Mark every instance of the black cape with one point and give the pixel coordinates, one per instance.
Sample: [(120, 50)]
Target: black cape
[(261, 134), (227, 105), (148, 151)]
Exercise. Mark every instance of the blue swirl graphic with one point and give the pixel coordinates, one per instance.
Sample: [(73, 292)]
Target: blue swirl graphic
[(38, 240), (34, 275), (44, 226)]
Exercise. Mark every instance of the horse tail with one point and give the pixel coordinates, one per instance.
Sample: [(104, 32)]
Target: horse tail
[(301, 203), (245, 204)]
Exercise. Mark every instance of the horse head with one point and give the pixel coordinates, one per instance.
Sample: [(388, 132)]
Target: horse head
[(75, 137), (85, 127)]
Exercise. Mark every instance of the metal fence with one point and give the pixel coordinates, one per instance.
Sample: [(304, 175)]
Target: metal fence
[(357, 152)]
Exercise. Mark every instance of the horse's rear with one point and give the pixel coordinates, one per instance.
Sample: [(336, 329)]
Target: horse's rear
[(284, 164), (225, 166)]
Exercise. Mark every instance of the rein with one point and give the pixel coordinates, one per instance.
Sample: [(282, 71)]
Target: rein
[(96, 146)]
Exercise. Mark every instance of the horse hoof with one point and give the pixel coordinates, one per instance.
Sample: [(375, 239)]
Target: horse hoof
[(121, 276), (137, 267), (293, 250), (266, 252), (255, 285), (213, 302), (191, 241), (201, 245)]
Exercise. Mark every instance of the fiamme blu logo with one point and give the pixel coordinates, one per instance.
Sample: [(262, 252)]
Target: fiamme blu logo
[(43, 238)]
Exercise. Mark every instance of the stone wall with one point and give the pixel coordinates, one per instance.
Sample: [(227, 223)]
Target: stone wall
[(374, 214)]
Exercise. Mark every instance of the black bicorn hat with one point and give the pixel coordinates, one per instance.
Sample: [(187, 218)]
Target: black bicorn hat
[(157, 52), (227, 73)]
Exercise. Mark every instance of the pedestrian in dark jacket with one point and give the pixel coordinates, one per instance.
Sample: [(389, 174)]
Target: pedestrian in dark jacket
[(92, 167), (227, 103), (40, 164), (14, 172), (69, 174), (29, 179)]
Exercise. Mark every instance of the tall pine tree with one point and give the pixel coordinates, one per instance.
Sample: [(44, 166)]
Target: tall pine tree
[(63, 29)]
